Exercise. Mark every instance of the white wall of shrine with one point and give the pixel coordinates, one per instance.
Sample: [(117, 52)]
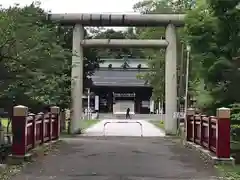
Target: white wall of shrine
[(120, 107)]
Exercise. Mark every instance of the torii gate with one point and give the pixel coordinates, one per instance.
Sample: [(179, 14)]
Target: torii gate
[(170, 21)]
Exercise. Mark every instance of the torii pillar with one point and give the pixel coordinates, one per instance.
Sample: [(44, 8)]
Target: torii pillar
[(171, 81), (77, 78)]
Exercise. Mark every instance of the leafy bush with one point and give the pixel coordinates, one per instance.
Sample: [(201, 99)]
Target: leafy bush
[(235, 121), (235, 111), (235, 132), (204, 100)]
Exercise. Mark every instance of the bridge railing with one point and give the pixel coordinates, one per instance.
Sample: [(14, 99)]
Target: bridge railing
[(31, 130), (210, 132)]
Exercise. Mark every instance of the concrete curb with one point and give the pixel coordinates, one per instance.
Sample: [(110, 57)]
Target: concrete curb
[(209, 156)]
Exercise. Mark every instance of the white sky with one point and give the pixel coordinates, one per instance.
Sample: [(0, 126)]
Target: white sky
[(80, 6)]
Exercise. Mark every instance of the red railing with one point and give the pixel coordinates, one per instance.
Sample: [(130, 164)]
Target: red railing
[(212, 133), (30, 130)]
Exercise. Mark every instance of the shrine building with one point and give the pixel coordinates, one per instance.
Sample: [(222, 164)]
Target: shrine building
[(116, 87)]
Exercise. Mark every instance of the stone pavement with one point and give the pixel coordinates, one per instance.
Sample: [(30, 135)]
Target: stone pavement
[(128, 128), (119, 158)]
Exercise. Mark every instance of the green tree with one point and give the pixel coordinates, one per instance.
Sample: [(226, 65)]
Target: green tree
[(91, 56), (200, 29), (156, 76), (118, 52), (31, 54), (212, 29), (35, 59)]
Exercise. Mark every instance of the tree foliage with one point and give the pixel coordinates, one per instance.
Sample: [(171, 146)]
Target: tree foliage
[(212, 29), (156, 76), (32, 57), (118, 52), (35, 59)]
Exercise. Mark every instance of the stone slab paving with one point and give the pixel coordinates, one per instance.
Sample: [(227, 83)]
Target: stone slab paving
[(119, 158), (117, 127)]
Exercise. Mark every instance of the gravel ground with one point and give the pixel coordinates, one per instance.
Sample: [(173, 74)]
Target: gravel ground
[(119, 158)]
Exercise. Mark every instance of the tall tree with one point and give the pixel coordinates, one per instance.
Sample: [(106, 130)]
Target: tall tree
[(118, 52), (156, 64), (212, 29), (35, 59), (31, 55)]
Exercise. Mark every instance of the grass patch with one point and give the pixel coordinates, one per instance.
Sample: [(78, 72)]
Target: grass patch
[(88, 123), (229, 172), (4, 122), (235, 145), (10, 171), (159, 124), (84, 124)]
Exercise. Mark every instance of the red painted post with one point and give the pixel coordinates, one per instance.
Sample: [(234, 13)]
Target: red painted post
[(194, 129), (50, 126), (19, 130), (201, 130), (33, 130), (56, 126), (41, 114), (209, 133), (189, 127), (223, 133)]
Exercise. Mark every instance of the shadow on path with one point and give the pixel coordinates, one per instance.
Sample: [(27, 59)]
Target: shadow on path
[(119, 158)]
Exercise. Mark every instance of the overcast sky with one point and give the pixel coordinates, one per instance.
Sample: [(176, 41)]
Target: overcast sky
[(80, 6)]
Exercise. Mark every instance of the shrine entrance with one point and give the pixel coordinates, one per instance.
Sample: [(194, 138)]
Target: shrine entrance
[(123, 101), (170, 21)]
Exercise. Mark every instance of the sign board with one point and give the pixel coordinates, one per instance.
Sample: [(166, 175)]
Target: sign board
[(151, 106), (178, 115), (96, 103), (124, 94)]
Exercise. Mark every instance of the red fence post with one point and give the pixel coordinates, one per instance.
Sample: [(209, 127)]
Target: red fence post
[(194, 130), (19, 130), (42, 129), (202, 132), (189, 127), (223, 133), (33, 130), (56, 126), (50, 126), (210, 133)]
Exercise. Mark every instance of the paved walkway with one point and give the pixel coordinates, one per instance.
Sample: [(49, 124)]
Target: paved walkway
[(124, 128), (119, 158)]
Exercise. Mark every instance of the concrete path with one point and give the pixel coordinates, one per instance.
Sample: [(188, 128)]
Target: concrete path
[(119, 158), (124, 128)]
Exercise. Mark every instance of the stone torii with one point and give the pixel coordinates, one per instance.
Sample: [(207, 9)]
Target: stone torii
[(170, 21)]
